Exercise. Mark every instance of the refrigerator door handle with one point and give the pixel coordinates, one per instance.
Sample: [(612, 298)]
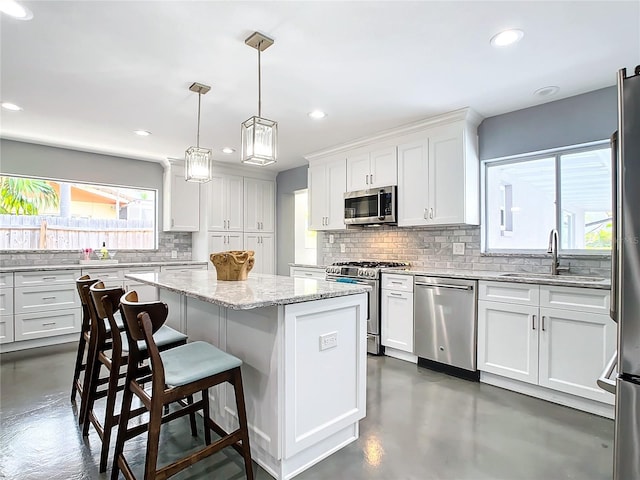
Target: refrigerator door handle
[(613, 309), (604, 381)]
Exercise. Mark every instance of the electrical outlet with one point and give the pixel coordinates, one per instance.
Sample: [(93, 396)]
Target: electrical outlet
[(332, 238), (458, 248), (174, 254), (343, 248), (328, 340)]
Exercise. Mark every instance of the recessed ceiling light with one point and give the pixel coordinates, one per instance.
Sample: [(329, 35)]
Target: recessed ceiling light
[(317, 114), (11, 106), (228, 150), (142, 133), (507, 37), (546, 91), (15, 10)]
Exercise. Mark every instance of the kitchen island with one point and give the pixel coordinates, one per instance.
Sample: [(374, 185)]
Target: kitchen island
[(303, 347)]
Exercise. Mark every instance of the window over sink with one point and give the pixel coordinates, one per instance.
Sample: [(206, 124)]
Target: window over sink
[(568, 189), (48, 214)]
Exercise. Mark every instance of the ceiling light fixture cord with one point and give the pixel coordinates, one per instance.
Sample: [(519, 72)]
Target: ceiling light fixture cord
[(259, 82), (198, 134)]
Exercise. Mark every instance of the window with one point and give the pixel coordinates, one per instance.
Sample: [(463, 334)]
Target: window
[(42, 214), (305, 240), (569, 190)]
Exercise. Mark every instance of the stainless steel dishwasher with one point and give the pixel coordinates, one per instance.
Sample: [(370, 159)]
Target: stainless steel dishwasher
[(446, 324)]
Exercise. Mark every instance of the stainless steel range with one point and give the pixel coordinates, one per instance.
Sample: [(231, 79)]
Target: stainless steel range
[(365, 273)]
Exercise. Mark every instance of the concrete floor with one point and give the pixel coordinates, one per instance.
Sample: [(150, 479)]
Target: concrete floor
[(420, 425)]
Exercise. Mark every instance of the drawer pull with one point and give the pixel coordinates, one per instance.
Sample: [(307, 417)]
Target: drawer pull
[(308, 274), (48, 324), (395, 294), (49, 298), (48, 278)]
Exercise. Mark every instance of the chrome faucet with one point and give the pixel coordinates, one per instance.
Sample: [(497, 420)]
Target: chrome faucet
[(553, 250)]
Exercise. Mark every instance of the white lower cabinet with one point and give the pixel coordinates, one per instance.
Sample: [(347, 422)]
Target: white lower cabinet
[(397, 315), (562, 349), (6, 314), (44, 324), (146, 293)]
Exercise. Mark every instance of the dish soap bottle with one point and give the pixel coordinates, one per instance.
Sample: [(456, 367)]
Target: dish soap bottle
[(104, 253)]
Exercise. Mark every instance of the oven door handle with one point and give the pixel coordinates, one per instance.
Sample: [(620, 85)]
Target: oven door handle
[(445, 285), (348, 280)]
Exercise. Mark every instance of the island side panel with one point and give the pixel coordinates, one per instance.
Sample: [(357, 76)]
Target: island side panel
[(325, 370)]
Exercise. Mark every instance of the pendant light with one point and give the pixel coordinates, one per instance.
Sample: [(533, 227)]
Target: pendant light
[(198, 161), (259, 135)]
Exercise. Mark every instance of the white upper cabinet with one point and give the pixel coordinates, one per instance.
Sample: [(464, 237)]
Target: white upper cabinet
[(438, 177), (413, 181), (181, 202), (372, 169), (225, 203), (327, 185), (259, 201)]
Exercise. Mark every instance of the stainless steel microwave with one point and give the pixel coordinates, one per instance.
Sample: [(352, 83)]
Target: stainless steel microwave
[(373, 206)]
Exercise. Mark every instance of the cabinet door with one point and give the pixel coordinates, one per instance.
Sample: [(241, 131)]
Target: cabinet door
[(574, 349), (508, 340), (413, 183), (217, 242), (181, 203), (317, 196), (397, 320), (234, 241), (252, 204), (6, 329), (337, 183), (267, 253), (267, 206), (252, 242), (384, 167), (216, 203), (446, 175), (358, 172), (234, 203)]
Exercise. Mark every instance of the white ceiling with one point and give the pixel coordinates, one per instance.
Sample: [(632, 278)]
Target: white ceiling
[(88, 73)]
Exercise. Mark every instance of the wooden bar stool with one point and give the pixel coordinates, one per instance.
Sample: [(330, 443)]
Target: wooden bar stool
[(84, 345), (176, 373), (110, 351)]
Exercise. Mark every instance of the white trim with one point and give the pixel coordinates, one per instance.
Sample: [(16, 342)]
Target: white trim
[(547, 151)]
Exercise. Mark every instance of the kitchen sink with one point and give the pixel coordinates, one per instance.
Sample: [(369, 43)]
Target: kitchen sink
[(548, 276)]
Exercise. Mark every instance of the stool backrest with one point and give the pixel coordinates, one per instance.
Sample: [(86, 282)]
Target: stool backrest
[(132, 308), (106, 302), (81, 282)]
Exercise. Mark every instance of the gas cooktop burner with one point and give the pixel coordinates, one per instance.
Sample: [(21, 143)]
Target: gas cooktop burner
[(371, 264)]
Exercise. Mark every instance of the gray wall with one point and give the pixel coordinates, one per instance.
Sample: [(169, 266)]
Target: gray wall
[(287, 183), (21, 158), (584, 118)]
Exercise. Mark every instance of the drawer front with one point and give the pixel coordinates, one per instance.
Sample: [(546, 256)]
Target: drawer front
[(402, 283), (110, 276), (42, 299), (6, 328), (317, 273), (520, 293), (6, 280), (589, 300), (47, 324), (53, 277), (6, 301), (169, 268)]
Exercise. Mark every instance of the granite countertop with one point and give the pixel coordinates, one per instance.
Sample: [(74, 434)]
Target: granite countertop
[(73, 266), (259, 290), (514, 277)]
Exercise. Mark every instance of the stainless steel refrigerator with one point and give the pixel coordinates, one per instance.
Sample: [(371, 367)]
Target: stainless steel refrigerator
[(625, 279)]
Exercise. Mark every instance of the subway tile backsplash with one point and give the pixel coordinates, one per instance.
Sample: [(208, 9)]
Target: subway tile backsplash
[(167, 241), (432, 247)]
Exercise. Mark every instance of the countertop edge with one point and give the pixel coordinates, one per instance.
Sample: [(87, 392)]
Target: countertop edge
[(561, 281), (74, 266)]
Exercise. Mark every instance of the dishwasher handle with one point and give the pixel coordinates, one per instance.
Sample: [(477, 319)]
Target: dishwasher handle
[(444, 285)]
